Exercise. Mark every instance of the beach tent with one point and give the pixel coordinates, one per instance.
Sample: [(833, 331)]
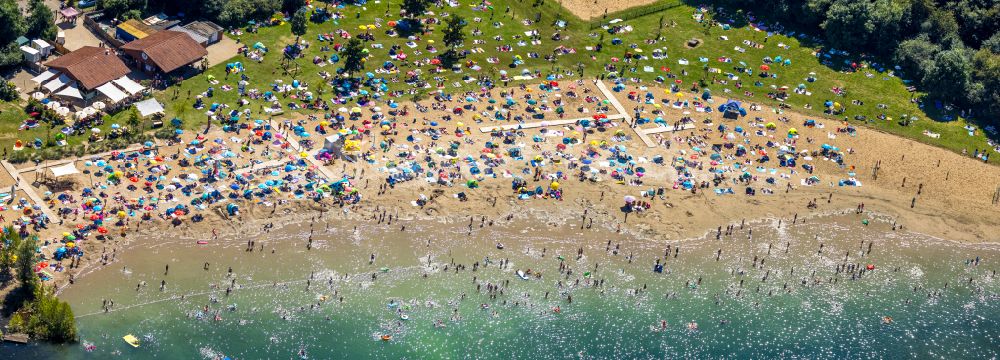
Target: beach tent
[(732, 110)]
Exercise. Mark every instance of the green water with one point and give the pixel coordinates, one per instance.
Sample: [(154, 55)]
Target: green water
[(276, 316)]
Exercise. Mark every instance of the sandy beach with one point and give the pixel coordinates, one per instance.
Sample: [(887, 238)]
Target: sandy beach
[(954, 199)]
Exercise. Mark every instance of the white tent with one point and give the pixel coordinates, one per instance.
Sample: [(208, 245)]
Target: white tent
[(129, 86), (48, 74), (63, 170), (57, 83), (149, 107), (112, 92), (71, 91)]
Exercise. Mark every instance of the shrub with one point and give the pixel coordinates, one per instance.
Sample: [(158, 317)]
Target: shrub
[(8, 91)]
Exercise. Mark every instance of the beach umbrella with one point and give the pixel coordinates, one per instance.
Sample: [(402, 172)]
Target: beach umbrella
[(765, 67), (629, 199)]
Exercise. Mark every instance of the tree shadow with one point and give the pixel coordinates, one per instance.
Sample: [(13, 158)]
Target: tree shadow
[(13, 301), (409, 27)]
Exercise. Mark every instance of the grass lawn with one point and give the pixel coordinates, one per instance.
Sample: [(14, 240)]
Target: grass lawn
[(873, 89)]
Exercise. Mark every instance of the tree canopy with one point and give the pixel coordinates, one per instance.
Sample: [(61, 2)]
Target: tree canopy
[(946, 47), (41, 23), (453, 35), (354, 56), (299, 22), (414, 8), (11, 21)]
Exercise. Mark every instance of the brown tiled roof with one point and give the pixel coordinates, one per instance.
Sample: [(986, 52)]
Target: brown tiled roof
[(91, 66), (168, 49)]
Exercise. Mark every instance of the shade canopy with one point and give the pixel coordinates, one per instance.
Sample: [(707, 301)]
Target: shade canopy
[(130, 86), (112, 92), (69, 12), (71, 91), (149, 107), (64, 169), (58, 82), (41, 78)]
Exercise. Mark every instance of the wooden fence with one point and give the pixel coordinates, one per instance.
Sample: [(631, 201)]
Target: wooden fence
[(634, 13), (88, 21)]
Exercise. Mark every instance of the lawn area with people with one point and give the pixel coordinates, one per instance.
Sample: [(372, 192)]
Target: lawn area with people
[(728, 61)]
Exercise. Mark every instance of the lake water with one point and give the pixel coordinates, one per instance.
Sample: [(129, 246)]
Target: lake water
[(778, 294)]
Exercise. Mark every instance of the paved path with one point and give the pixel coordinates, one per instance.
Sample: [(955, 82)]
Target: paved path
[(621, 110), (543, 123), (26, 187), (662, 129), (312, 154)]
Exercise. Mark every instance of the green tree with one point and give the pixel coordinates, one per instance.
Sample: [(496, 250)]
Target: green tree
[(986, 75), (813, 12), (40, 21), (11, 22), (211, 9), (8, 91), (453, 37), (889, 18), (453, 31), (848, 24), (51, 318), (978, 20), (992, 44), (238, 12), (354, 56), (299, 23), (915, 55), (25, 263), (134, 123), (942, 28), (949, 76), (292, 5), (414, 8), (115, 8), (9, 245)]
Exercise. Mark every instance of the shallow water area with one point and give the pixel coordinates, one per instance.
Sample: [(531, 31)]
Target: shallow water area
[(776, 291)]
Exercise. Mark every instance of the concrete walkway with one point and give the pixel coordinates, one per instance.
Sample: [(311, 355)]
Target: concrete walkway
[(621, 110), (663, 129), (543, 123), (26, 187), (312, 154)]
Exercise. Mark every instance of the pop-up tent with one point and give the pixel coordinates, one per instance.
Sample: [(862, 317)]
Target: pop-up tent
[(732, 110)]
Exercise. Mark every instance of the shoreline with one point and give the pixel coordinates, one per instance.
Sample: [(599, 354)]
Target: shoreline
[(296, 220), (948, 209)]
